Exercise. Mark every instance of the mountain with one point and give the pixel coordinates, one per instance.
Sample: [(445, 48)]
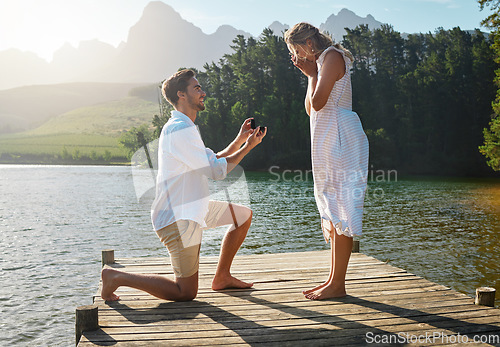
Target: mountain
[(19, 68), (157, 45), (278, 28), (160, 43), (94, 72), (81, 61), (335, 24)]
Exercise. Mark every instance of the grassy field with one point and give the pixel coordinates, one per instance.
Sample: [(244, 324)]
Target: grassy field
[(25, 108), (60, 148), (110, 119), (84, 134), (54, 144)]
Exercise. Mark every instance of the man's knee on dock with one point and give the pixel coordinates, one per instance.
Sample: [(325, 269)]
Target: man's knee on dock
[(187, 288), (187, 295)]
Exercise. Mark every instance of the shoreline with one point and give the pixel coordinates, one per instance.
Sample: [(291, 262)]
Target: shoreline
[(492, 177), (67, 162)]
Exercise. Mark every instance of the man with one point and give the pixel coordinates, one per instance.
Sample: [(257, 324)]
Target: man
[(182, 208)]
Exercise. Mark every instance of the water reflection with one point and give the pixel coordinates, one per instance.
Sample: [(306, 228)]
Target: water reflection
[(56, 220)]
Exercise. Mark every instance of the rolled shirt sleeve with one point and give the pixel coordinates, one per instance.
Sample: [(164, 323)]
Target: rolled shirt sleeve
[(218, 166)]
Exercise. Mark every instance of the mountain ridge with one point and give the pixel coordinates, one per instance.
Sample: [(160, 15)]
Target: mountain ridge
[(147, 55), (158, 44)]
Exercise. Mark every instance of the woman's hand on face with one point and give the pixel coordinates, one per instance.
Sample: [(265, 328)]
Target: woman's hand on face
[(308, 67)]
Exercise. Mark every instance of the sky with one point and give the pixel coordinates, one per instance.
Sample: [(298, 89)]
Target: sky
[(43, 26)]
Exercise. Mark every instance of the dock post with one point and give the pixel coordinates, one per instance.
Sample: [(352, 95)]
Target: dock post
[(485, 296), (87, 319), (108, 257), (355, 246)]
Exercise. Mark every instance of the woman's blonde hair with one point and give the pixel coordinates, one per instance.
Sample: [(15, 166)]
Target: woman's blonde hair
[(300, 32)]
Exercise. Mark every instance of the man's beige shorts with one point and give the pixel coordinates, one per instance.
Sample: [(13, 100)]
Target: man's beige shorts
[(183, 239)]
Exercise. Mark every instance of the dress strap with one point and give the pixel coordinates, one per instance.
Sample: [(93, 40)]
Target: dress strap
[(347, 61)]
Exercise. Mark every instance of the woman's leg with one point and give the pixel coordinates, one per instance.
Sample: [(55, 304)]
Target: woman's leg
[(342, 247), (329, 227)]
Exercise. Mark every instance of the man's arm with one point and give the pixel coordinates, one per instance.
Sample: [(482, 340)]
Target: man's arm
[(232, 148), (240, 139)]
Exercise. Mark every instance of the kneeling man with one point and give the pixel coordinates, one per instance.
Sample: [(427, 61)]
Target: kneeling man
[(182, 209)]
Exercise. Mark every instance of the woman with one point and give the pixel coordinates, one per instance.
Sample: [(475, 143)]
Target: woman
[(339, 147)]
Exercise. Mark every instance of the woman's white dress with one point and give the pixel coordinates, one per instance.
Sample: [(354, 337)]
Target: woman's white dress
[(339, 157)]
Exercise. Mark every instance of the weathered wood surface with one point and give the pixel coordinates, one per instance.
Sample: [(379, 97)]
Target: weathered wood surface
[(384, 302)]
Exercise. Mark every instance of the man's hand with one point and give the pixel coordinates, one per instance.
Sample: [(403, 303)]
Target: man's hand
[(245, 131), (256, 137)]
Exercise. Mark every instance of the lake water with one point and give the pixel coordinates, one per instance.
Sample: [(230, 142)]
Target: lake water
[(55, 220)]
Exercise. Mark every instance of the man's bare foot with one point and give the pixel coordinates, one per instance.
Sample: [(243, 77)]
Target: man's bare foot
[(327, 292), (220, 282), (109, 284)]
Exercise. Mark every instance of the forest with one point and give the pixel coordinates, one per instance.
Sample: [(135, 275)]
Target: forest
[(423, 100)]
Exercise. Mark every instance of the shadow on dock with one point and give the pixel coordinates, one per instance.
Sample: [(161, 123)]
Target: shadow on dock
[(385, 305)]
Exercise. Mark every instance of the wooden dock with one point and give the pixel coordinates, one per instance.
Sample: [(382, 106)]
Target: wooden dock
[(385, 305)]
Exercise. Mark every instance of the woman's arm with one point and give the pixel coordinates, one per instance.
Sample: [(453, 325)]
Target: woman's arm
[(333, 69), (311, 85), (320, 85)]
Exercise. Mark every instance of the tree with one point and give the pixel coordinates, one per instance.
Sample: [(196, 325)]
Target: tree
[(423, 101), (136, 138), (491, 147)]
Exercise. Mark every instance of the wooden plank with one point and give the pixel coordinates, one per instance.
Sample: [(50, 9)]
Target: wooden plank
[(165, 308), (341, 322), (291, 333), (403, 287), (377, 318)]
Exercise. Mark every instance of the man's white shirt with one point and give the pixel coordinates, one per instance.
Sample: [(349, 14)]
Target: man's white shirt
[(184, 166)]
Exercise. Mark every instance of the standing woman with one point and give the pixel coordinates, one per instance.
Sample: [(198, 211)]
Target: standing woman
[(339, 147)]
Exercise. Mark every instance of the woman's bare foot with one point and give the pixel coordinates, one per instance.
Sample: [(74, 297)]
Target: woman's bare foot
[(109, 284), (327, 292), (315, 288), (227, 282)]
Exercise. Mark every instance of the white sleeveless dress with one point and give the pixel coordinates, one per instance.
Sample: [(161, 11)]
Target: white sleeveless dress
[(339, 157)]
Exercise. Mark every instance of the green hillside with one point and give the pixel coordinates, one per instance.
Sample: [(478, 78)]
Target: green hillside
[(109, 118), (88, 133), (28, 107)]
